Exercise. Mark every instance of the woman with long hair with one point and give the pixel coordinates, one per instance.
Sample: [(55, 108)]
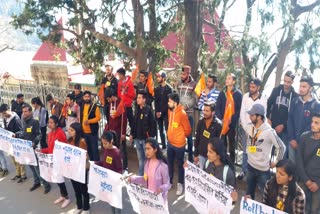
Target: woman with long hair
[(282, 191), (80, 189), (40, 114), (156, 174)]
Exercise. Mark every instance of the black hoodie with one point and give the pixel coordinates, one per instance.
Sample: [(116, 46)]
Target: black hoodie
[(279, 105)]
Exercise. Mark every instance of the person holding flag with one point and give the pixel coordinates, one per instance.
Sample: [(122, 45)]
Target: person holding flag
[(228, 107)]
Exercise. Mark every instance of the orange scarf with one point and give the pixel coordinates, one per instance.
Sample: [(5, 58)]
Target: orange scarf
[(228, 112)]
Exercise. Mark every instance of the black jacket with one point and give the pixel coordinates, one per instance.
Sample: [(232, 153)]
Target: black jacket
[(202, 137), (112, 86), (144, 124), (14, 125), (161, 99), (31, 131), (16, 107), (143, 87), (221, 105), (78, 97), (279, 105)]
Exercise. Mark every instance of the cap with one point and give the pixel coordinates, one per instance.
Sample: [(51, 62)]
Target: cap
[(186, 69), (162, 74), (257, 109), (4, 107), (256, 81)]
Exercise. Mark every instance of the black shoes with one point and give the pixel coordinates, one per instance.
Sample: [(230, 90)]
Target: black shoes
[(22, 179), (47, 190), (35, 186), (15, 178)]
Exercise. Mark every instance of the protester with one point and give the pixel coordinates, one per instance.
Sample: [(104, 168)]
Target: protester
[(118, 123), (260, 142), (228, 107), (55, 106), (73, 111), (179, 128), (78, 94), (142, 86), (308, 165), (208, 127), (161, 99), (31, 132), (301, 111), (40, 113), (80, 189), (252, 97), (57, 134), (16, 105), (156, 177), (144, 126), (111, 158), (89, 118), (282, 192), (185, 89), (126, 93), (210, 94), (220, 166), (279, 104), (108, 88)]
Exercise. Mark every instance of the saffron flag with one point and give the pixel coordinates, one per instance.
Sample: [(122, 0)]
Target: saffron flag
[(135, 73), (150, 84), (228, 112), (201, 85)]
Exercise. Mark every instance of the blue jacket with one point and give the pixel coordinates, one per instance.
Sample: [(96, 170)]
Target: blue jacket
[(300, 115), (221, 105)]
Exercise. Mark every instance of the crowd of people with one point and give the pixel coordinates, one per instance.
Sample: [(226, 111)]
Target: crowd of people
[(281, 131)]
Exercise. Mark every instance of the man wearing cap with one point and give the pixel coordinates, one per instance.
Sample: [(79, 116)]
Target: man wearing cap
[(252, 97), (16, 105), (300, 114), (259, 146), (279, 104), (210, 94), (228, 107), (185, 89), (77, 93), (109, 87), (161, 99), (142, 86)]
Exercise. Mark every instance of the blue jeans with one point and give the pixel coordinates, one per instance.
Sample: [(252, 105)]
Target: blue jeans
[(244, 138), (3, 161), (92, 146), (202, 161), (291, 152), (140, 147), (36, 176), (312, 200), (255, 178), (173, 153), (190, 142)]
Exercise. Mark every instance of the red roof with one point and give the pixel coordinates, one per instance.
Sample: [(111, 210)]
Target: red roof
[(48, 52)]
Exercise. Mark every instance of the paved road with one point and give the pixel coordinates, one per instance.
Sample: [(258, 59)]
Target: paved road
[(16, 198)]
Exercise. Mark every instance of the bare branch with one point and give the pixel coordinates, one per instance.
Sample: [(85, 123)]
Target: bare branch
[(298, 10), (7, 47)]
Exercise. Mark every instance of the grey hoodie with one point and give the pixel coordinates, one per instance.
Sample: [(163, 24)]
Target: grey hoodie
[(265, 141)]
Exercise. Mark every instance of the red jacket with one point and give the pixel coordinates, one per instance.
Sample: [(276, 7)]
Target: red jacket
[(117, 123), (59, 135), (126, 91)]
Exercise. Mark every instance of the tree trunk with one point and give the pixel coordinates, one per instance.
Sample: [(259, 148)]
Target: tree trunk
[(153, 34), (193, 32)]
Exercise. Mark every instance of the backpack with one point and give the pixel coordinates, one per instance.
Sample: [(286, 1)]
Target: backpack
[(225, 171)]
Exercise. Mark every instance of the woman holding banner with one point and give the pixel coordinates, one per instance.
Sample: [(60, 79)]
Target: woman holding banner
[(57, 133), (282, 192), (220, 166), (156, 173), (80, 189)]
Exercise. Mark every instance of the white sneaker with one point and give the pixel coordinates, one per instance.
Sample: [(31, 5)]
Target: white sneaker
[(85, 212), (179, 189), (59, 200), (77, 211), (65, 203)]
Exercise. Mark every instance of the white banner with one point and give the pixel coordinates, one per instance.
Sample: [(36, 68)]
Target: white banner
[(250, 206), (145, 201), (47, 171), (5, 143), (23, 152), (205, 192), (106, 185), (70, 161)]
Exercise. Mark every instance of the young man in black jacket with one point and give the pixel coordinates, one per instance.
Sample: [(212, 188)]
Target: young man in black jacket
[(161, 105), (208, 128), (16, 105), (31, 132), (12, 123), (278, 107), (144, 126)]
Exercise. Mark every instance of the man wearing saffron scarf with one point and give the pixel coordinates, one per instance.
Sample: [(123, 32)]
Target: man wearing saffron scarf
[(228, 110)]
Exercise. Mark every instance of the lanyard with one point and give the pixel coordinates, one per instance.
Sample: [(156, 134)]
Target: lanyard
[(255, 137)]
